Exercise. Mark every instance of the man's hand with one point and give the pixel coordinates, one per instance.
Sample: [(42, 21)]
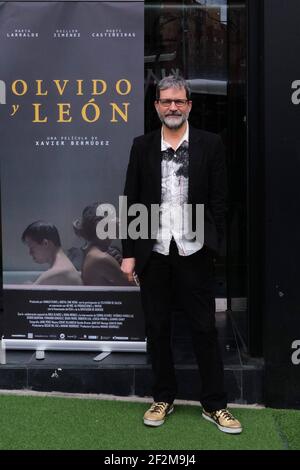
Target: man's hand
[(127, 267)]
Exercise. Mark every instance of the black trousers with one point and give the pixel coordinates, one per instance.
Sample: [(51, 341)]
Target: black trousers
[(193, 279)]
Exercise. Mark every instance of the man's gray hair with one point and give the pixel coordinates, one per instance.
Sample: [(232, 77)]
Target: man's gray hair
[(173, 81)]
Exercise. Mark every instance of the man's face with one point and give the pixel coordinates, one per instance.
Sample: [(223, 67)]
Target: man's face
[(38, 251), (173, 115)]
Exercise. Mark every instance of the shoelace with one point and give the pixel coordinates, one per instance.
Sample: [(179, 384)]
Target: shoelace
[(158, 407), (225, 414)]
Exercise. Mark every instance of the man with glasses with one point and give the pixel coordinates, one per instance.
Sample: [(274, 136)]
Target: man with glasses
[(176, 167)]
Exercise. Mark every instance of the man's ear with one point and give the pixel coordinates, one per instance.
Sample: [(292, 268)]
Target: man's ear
[(45, 242)]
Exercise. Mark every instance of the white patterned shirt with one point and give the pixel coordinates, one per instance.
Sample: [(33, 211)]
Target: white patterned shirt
[(174, 194)]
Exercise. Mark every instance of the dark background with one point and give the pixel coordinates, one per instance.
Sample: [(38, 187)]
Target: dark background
[(282, 201)]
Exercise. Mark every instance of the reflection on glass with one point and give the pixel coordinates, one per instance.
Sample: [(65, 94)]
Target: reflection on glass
[(205, 41)]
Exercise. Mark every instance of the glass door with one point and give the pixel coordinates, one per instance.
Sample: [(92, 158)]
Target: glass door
[(205, 41)]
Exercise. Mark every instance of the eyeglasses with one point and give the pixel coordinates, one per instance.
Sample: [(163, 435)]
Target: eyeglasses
[(179, 103)]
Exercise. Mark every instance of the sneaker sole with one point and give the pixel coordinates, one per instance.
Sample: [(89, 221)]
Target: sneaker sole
[(150, 422), (223, 428)]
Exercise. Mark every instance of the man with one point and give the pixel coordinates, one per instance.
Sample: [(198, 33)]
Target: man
[(171, 167), (44, 245)]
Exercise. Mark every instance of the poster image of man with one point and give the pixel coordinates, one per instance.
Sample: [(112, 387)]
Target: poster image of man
[(44, 245)]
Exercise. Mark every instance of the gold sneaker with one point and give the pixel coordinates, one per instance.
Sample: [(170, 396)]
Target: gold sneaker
[(157, 413), (224, 420)]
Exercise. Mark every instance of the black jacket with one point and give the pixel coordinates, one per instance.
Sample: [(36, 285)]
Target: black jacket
[(207, 185)]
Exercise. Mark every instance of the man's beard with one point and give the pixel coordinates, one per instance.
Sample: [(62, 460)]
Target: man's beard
[(174, 122)]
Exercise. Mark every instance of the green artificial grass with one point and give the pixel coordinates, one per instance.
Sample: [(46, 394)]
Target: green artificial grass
[(288, 424), (37, 423)]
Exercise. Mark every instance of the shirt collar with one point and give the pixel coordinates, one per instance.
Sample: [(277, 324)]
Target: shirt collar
[(165, 145)]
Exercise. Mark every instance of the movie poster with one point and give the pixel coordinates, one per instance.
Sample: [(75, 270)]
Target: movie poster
[(71, 102)]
